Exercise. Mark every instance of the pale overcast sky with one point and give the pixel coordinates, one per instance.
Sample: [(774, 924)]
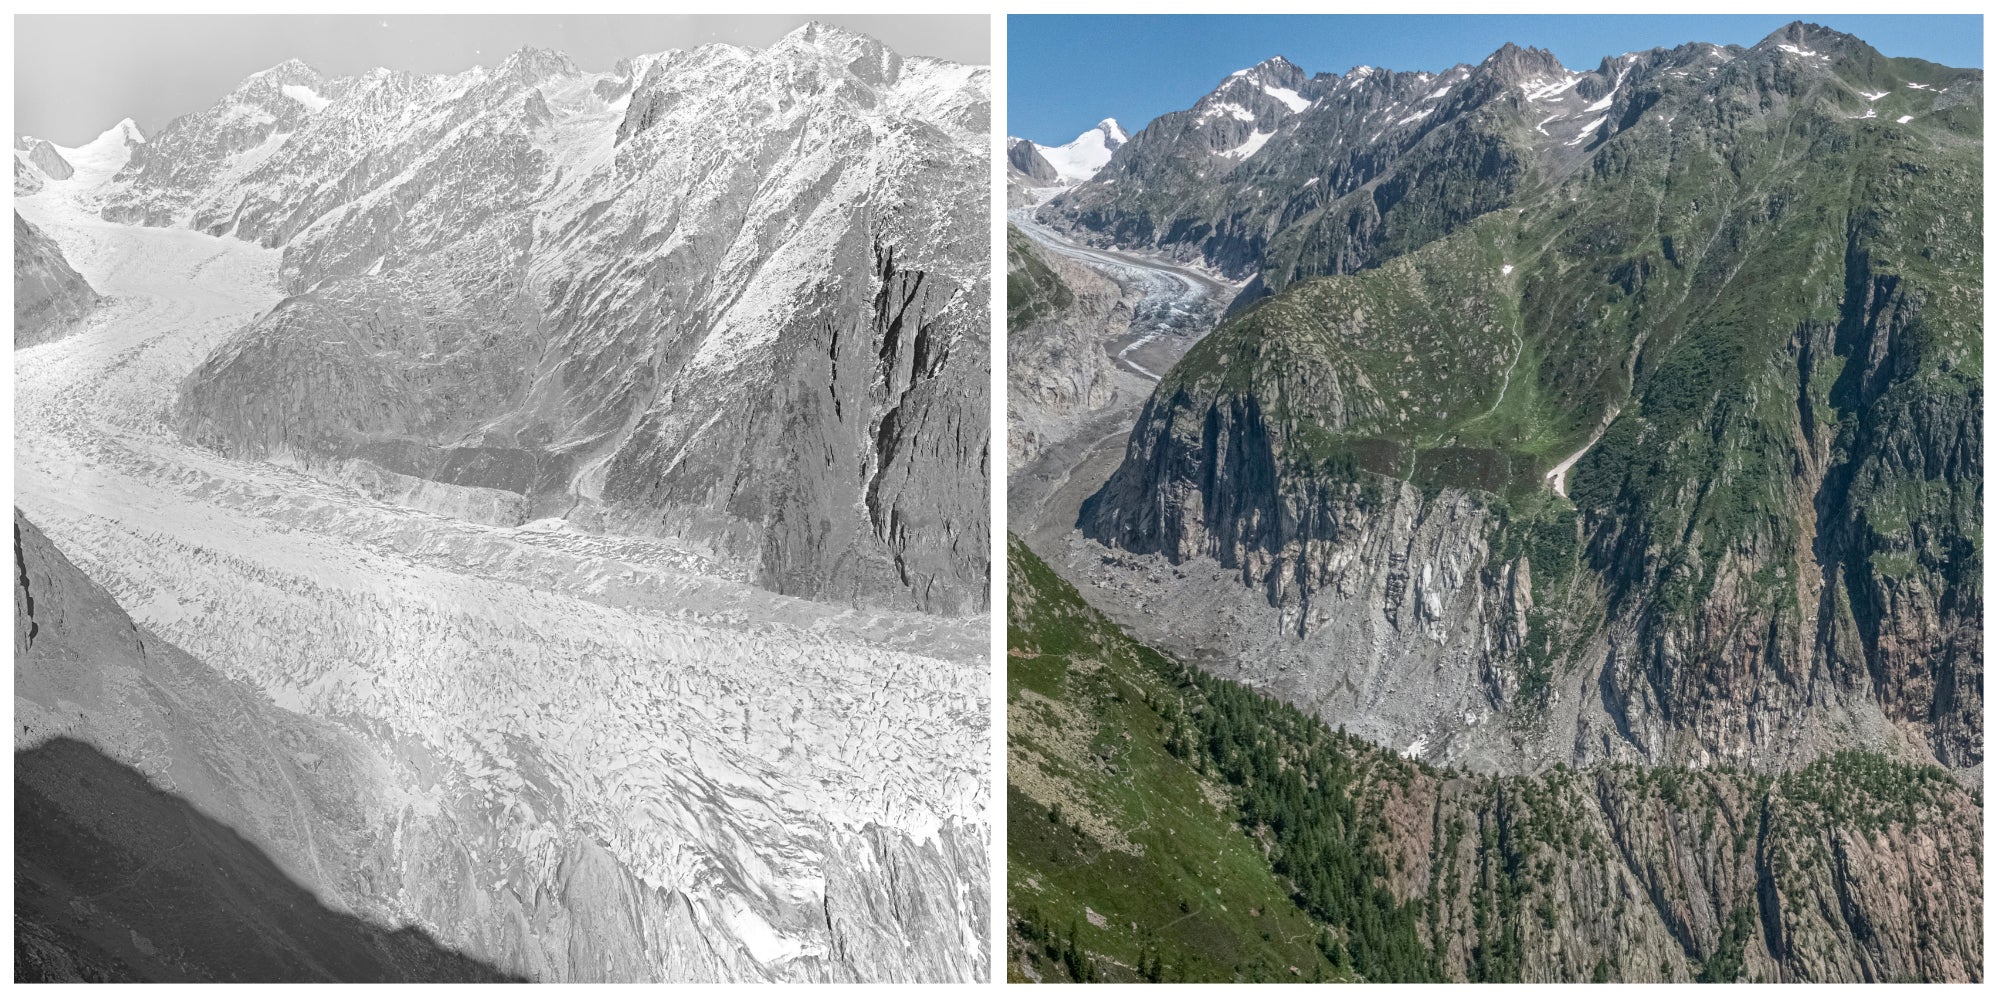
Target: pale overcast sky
[(77, 75)]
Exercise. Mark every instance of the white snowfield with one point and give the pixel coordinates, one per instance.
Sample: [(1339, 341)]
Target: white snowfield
[(1584, 134), (1288, 97), (1081, 158), (1249, 146), (712, 736)]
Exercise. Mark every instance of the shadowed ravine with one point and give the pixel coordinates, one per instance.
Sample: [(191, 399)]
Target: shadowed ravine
[(116, 880)]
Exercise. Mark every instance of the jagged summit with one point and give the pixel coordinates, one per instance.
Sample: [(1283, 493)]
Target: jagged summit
[(531, 65), (289, 71), (1511, 64), (1276, 71), (126, 131), (860, 56), (1276, 65), (828, 36), (831, 39), (1808, 37)]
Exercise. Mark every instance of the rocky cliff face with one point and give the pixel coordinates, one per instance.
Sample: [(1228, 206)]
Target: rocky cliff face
[(1059, 315), (1027, 171), (1851, 870), (49, 296), (45, 158), (584, 290), (1630, 464), (1854, 868)]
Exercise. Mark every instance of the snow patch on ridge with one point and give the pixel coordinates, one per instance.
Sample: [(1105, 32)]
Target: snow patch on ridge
[(1250, 146), (305, 95), (1290, 98), (1584, 135)]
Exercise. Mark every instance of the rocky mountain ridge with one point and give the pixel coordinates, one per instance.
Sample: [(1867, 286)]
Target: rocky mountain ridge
[(647, 255), (1551, 474), (1210, 800)]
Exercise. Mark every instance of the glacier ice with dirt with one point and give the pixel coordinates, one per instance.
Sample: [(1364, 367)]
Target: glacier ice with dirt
[(604, 450)]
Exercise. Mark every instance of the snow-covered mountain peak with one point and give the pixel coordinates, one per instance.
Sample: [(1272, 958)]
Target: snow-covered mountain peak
[(1274, 74), (827, 37), (531, 65), (1247, 94), (1277, 65), (289, 71), (1081, 158), (103, 156), (126, 132), (863, 57)]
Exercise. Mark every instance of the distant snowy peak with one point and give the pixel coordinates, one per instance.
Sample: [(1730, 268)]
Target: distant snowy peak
[(1080, 159), (531, 66), (1276, 78), (111, 150), (125, 133)]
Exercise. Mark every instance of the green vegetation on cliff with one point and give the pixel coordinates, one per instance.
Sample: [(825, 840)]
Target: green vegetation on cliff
[(1716, 367), (1166, 824)]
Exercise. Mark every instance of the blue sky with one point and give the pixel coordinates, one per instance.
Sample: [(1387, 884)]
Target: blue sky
[(1064, 73)]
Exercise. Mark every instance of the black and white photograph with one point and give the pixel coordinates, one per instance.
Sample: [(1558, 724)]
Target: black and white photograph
[(502, 498), (964, 498)]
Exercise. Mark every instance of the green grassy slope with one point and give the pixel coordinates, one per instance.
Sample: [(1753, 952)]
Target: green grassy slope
[(1103, 819)]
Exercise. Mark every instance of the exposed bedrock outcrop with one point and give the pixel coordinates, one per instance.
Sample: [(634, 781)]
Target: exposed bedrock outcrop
[(1570, 482), (49, 296)]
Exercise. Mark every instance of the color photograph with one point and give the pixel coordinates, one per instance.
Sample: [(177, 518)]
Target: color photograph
[(1494, 499)]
